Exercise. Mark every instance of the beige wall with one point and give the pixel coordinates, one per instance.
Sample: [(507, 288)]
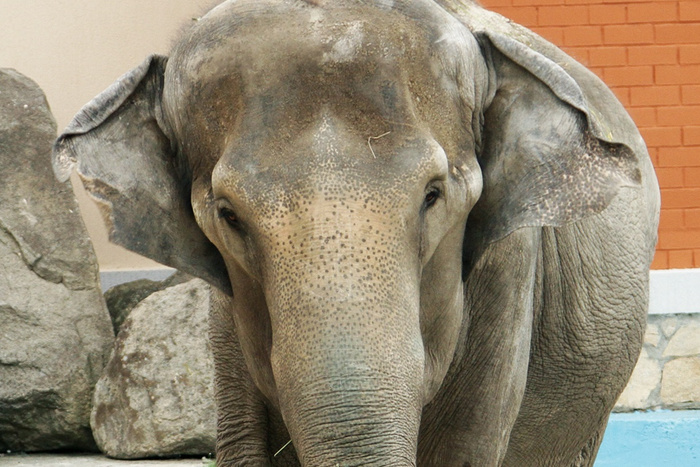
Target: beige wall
[(76, 48)]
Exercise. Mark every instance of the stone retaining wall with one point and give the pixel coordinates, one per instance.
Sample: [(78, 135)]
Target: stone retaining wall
[(667, 375)]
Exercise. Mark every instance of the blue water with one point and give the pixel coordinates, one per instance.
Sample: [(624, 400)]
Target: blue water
[(651, 439)]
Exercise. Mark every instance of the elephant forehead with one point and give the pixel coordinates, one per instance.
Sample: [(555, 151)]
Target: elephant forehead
[(327, 169), (259, 34), (273, 65), (258, 83), (300, 57)]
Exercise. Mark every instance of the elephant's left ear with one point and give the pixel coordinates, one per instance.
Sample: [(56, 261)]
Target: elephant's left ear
[(130, 167), (549, 151)]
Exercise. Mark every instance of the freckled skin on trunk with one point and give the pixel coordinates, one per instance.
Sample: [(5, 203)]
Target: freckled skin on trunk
[(347, 354)]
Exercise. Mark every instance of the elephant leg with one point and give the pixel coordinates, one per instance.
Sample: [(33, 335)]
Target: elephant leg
[(469, 421), (242, 427), (590, 314), (586, 458), (281, 449)]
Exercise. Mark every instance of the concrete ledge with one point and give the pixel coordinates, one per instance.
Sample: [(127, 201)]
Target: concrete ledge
[(674, 291), (92, 460), (651, 439)]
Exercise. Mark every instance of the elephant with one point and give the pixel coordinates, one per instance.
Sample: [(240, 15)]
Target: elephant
[(428, 231)]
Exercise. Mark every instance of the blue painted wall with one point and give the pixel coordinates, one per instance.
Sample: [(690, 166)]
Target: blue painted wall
[(651, 439)]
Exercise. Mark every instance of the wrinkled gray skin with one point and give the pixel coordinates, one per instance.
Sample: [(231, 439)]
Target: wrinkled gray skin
[(436, 228)]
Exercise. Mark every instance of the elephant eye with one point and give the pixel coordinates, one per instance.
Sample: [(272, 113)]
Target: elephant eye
[(229, 216), (431, 198)]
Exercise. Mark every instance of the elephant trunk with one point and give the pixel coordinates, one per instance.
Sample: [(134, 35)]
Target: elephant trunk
[(351, 420), (347, 356)]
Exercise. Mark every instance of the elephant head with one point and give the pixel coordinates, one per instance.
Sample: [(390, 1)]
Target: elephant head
[(336, 168)]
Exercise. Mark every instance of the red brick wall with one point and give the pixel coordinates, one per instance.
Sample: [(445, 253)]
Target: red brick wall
[(648, 52)]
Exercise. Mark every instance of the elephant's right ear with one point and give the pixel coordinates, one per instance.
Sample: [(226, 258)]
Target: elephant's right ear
[(130, 167)]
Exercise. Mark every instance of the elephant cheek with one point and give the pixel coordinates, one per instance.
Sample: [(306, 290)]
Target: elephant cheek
[(442, 310)]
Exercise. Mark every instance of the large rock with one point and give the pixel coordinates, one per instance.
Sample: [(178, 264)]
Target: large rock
[(123, 298), (685, 342), (644, 381), (55, 332), (156, 397), (680, 387)]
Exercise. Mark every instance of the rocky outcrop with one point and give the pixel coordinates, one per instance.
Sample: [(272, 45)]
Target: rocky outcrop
[(55, 332), (156, 397)]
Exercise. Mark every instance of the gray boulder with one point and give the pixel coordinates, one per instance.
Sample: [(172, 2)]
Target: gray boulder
[(55, 332), (121, 299), (156, 397)]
